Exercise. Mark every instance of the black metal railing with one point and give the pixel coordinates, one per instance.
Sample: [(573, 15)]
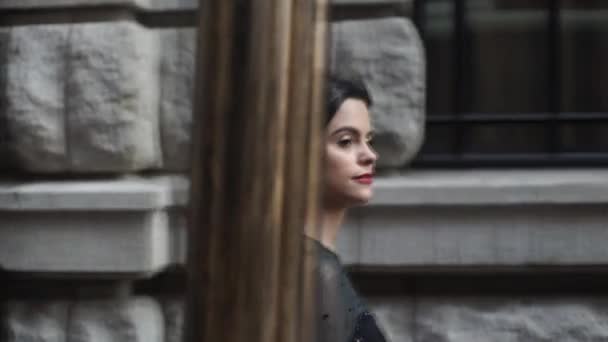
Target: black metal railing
[(459, 120)]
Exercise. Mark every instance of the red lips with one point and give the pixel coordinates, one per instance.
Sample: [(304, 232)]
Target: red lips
[(366, 178)]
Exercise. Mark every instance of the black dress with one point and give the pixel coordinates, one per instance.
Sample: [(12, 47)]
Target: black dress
[(341, 314)]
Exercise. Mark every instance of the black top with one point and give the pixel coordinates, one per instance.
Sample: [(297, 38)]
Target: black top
[(341, 314)]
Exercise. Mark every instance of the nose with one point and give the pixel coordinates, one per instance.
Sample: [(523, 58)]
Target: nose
[(368, 156)]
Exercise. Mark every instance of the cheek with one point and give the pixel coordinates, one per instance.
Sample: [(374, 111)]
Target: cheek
[(336, 164)]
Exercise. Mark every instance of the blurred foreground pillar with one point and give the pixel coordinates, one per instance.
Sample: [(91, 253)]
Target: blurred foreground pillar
[(255, 171)]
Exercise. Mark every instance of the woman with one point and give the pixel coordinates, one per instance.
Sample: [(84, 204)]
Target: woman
[(349, 170)]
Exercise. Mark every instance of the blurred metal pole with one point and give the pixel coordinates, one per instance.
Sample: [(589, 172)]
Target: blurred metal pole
[(255, 169)]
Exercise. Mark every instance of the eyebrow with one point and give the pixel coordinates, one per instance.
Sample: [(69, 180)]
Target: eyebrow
[(351, 130)]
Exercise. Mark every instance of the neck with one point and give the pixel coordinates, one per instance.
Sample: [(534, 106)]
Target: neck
[(330, 223)]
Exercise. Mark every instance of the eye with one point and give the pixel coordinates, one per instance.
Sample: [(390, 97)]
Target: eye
[(370, 141), (345, 142)]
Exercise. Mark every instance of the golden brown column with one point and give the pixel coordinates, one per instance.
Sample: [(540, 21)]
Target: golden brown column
[(255, 171)]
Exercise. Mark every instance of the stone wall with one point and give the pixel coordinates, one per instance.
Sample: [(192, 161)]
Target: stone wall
[(493, 318), (113, 94), (97, 95), (95, 113)]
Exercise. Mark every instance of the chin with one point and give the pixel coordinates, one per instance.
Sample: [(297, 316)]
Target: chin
[(361, 199)]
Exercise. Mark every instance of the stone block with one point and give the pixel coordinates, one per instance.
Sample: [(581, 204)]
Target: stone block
[(83, 97), (117, 97), (464, 219), (148, 5), (173, 309), (119, 227), (36, 67), (127, 243), (504, 318), (137, 319), (152, 5), (177, 79), (37, 4), (517, 236), (509, 319), (178, 238), (164, 5), (492, 187), (112, 92), (35, 321), (395, 316), (388, 55)]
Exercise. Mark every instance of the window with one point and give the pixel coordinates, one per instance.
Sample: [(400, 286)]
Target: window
[(515, 82)]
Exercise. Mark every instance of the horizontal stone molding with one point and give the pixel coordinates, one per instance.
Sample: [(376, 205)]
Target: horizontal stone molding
[(427, 220), (117, 244), (114, 195), (492, 187), (486, 238), (422, 220), (154, 5), (120, 227)]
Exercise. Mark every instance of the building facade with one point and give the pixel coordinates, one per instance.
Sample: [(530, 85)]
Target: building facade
[(489, 218)]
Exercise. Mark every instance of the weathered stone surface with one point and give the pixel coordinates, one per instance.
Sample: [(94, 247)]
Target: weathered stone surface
[(83, 97), (132, 320), (173, 309), (112, 97), (35, 88), (388, 54), (492, 187), (500, 319), (133, 244), (111, 195), (465, 219), (395, 317), (121, 227), (179, 235), (510, 236), (91, 97), (169, 5), (155, 5), (177, 70), (31, 4), (31, 321)]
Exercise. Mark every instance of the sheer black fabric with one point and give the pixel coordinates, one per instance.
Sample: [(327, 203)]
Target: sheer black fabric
[(341, 314)]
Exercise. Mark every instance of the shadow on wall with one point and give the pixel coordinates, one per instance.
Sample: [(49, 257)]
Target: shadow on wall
[(5, 162)]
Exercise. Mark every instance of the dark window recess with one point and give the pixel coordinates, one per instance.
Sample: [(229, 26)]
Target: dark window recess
[(515, 82)]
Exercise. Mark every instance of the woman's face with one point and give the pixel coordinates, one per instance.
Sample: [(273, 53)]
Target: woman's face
[(350, 160)]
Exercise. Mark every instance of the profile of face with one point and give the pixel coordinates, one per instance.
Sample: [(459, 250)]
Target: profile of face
[(349, 158)]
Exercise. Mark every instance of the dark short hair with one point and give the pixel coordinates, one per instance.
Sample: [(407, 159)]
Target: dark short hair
[(338, 89)]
